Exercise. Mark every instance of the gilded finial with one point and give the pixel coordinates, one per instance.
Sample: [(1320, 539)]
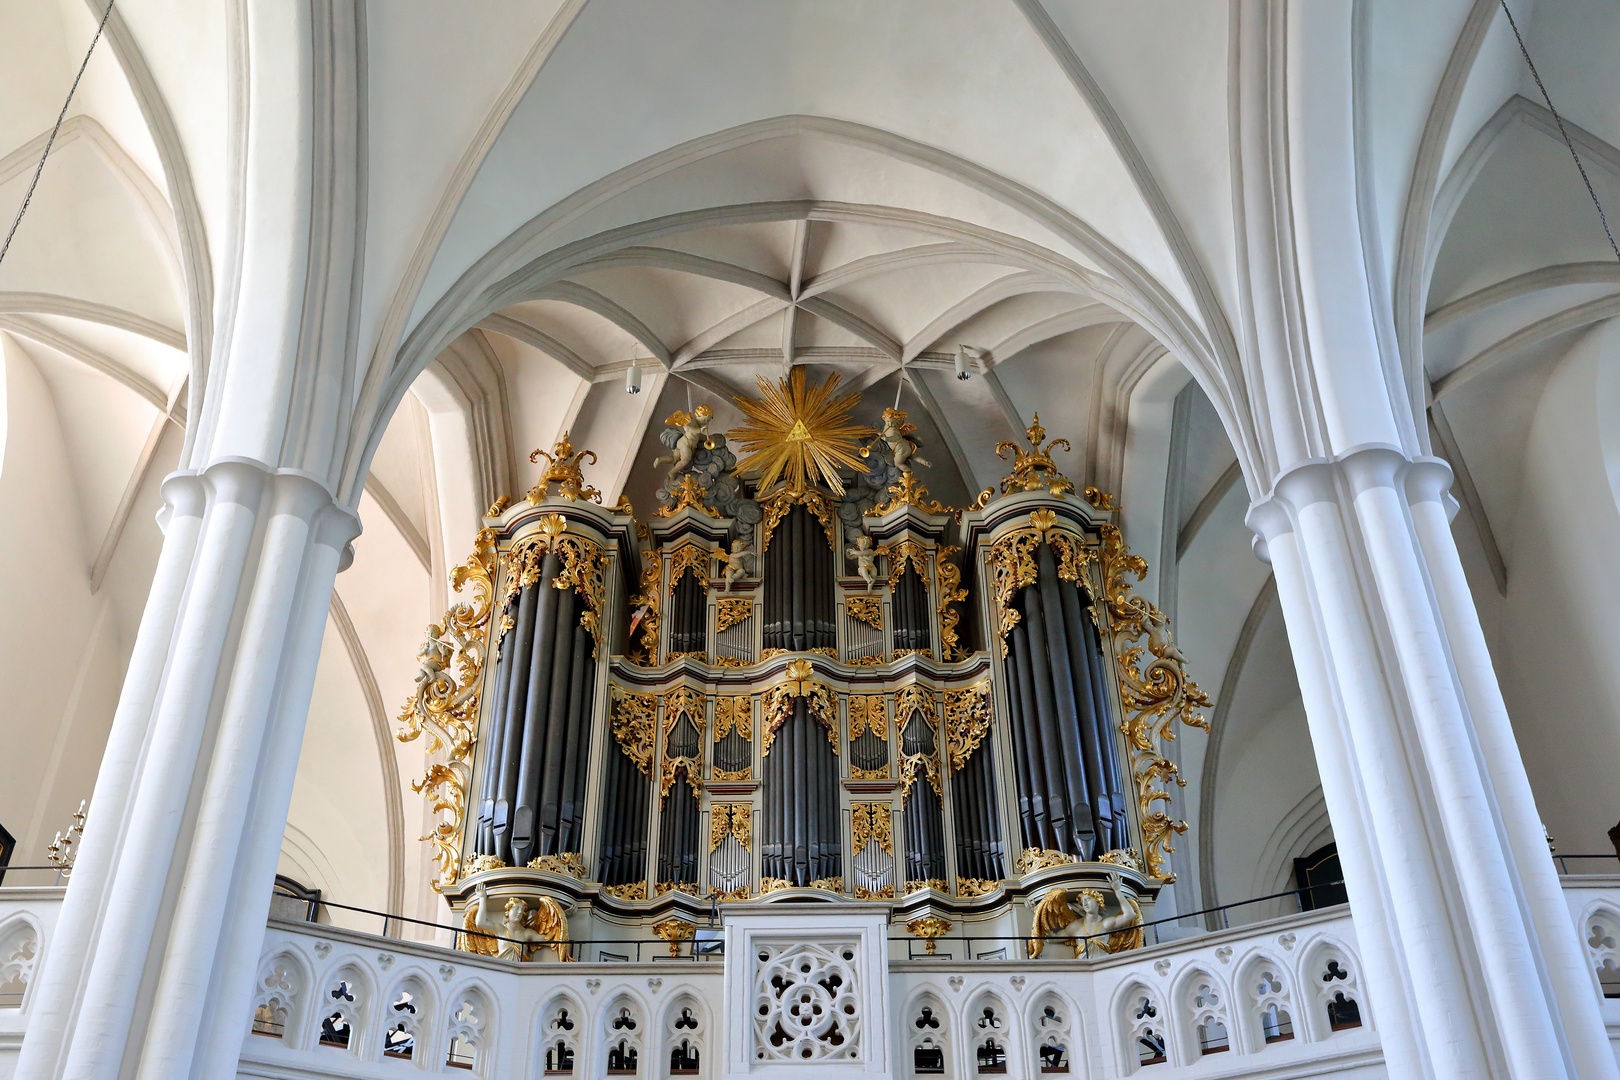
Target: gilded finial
[(1034, 469), (562, 469)]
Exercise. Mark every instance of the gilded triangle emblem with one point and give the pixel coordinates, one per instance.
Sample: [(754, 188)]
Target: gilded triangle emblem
[(800, 433)]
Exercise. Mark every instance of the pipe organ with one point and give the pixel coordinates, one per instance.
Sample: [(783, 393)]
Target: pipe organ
[(801, 680)]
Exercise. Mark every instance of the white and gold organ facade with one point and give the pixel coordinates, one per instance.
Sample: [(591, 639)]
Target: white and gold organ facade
[(803, 680)]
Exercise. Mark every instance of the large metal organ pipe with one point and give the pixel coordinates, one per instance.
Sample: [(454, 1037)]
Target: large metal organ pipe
[(913, 617), (799, 585), (803, 832), (1070, 795), (533, 792)]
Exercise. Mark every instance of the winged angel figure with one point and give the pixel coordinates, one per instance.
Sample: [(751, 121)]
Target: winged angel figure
[(520, 931), (1056, 919)]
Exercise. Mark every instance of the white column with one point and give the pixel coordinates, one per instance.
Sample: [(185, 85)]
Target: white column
[(170, 915), (1470, 951)]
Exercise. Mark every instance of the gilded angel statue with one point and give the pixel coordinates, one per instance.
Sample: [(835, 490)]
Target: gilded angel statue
[(865, 556), (524, 929), (684, 433), (1055, 918), (899, 435), (739, 562)]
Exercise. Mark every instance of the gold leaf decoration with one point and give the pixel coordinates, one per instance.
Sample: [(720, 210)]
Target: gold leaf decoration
[(778, 503), (635, 890), (777, 703), (1156, 693), (562, 469), (901, 553), (645, 651), (866, 609), (631, 718), (968, 887), (571, 863), (684, 701), (445, 702), (1034, 469), (799, 434), (734, 713), (688, 493), (967, 722), (693, 558), (949, 576), (868, 713), (869, 822), (731, 611), (927, 883), (1032, 859), (731, 819), (909, 492)]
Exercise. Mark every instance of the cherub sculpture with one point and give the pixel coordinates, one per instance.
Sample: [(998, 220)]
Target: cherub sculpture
[(739, 562), (518, 931), (683, 434), (897, 433), (433, 656), (865, 556), (1054, 918)]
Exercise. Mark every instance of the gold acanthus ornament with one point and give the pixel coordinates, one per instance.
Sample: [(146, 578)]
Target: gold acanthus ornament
[(909, 491), (969, 887), (779, 502), (733, 713), (901, 553), (562, 469), (635, 890), (731, 611), (967, 722), (632, 719), (949, 577), (674, 931), (584, 569), (693, 559), (445, 702), (909, 702), (1156, 693), (1012, 563), (644, 622), (868, 713), (930, 928), (1032, 859), (731, 819), (688, 493), (926, 883), (865, 609), (1033, 469), (571, 863), (871, 822), (777, 703)]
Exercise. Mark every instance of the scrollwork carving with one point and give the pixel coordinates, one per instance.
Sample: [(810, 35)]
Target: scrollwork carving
[(949, 576), (632, 719), (872, 821), (445, 702), (967, 722), (865, 609), (731, 611), (1156, 693)]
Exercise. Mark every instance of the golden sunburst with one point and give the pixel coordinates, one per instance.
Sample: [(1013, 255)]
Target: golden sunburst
[(800, 435)]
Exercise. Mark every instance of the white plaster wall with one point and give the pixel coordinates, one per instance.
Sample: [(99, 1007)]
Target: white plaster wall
[(1560, 639), (337, 828), (67, 649)]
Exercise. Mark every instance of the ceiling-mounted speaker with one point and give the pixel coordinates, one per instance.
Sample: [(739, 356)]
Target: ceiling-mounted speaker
[(964, 353)]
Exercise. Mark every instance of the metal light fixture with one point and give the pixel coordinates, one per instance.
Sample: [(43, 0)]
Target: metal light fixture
[(632, 377)]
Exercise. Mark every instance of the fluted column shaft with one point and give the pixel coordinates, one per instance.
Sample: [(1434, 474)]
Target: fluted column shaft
[(1469, 948), (152, 968)]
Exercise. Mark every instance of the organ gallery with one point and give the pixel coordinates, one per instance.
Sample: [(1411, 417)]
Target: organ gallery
[(800, 678)]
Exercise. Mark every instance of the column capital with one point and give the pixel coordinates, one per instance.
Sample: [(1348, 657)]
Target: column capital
[(280, 491), (1346, 476)]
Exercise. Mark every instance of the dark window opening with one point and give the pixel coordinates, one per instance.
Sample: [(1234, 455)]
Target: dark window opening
[(1319, 880)]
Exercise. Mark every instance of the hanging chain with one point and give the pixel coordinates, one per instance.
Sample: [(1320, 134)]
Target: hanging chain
[(1534, 74), (29, 194)]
